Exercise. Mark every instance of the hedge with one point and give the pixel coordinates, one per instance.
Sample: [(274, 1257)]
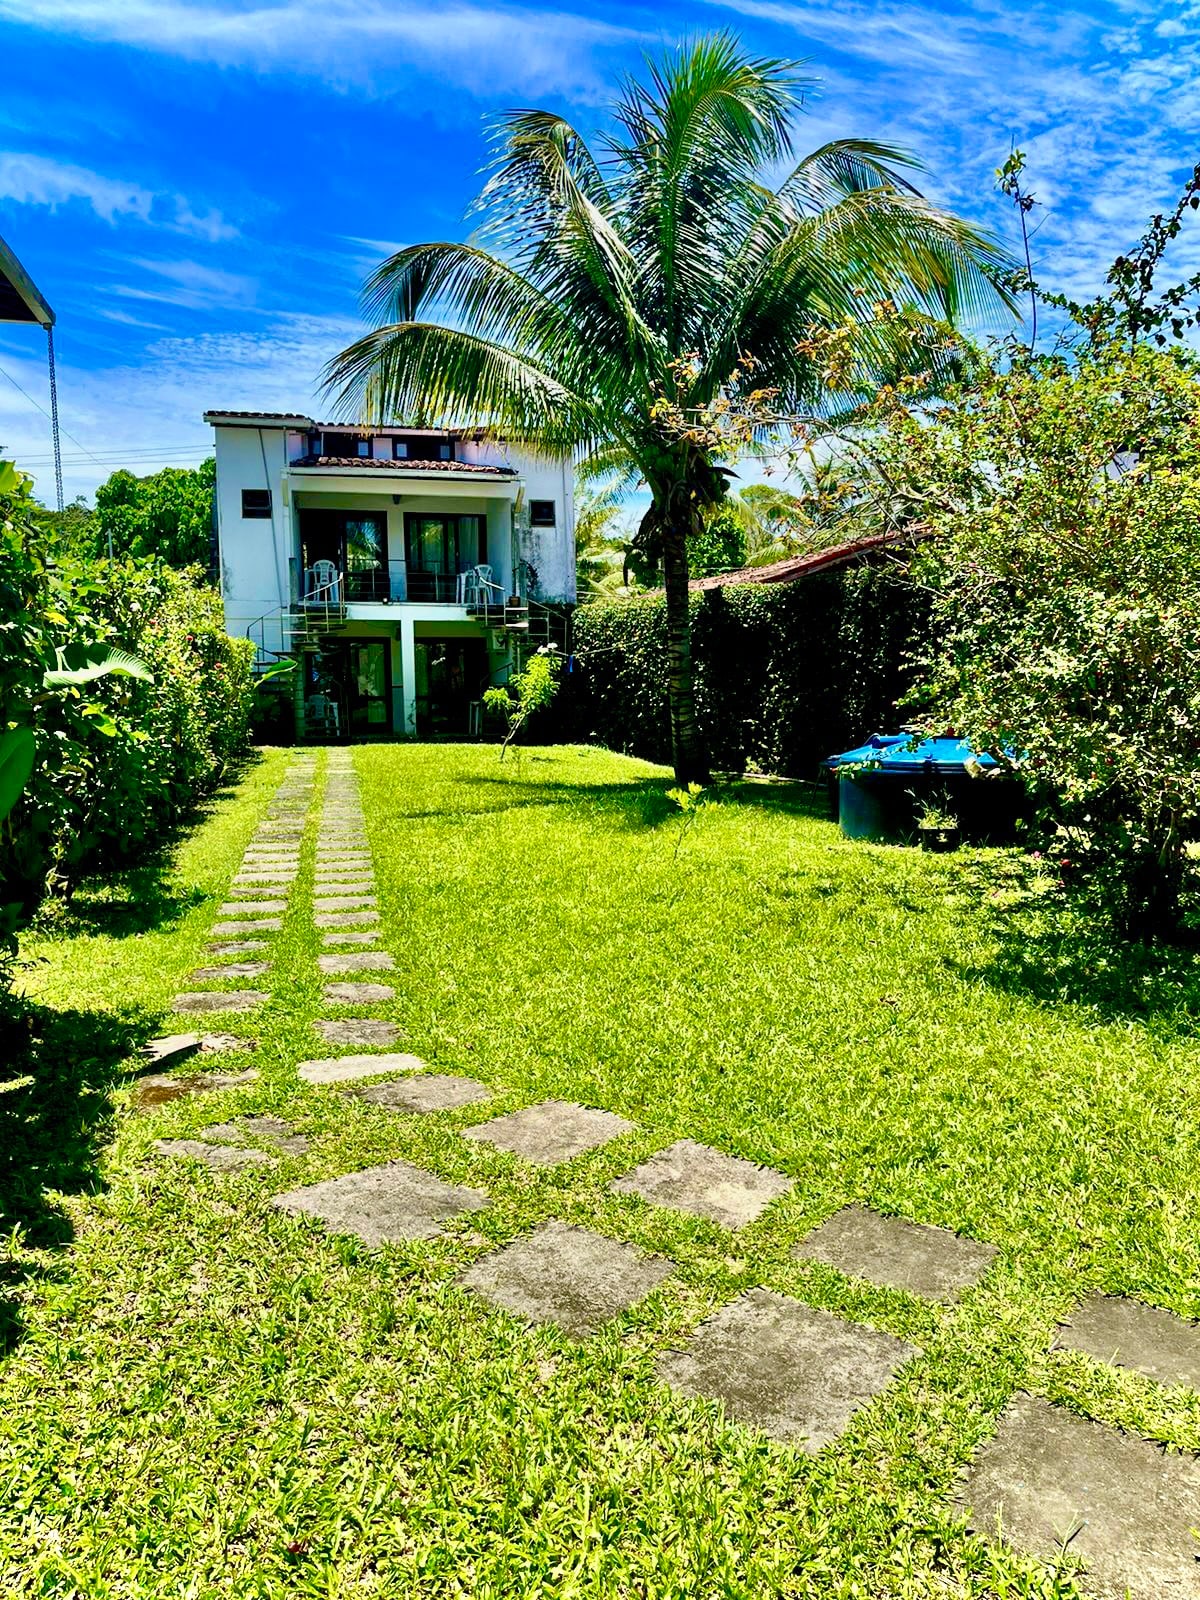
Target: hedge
[(786, 674), (118, 759)]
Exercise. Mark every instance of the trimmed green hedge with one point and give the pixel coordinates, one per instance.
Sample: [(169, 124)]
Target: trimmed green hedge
[(786, 674)]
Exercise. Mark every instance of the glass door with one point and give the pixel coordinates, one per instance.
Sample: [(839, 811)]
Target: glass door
[(437, 548), (368, 688)]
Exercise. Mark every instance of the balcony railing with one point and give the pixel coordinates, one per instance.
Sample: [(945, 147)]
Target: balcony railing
[(399, 582)]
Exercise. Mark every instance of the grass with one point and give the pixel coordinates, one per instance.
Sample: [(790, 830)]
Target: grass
[(204, 1398)]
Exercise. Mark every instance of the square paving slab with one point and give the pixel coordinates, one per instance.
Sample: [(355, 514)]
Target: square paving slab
[(345, 1069), (434, 1092), (160, 1088), (170, 1047), (357, 961), (708, 1183), (370, 936), (1129, 1333), (326, 891), (379, 1204), (263, 925), (1048, 1475), (219, 1000), (357, 1030), (356, 994), (252, 908), (236, 947), (220, 1157), (797, 1373), (272, 1129), (233, 969), (554, 1131), (931, 1262), (569, 1276), (344, 919), (344, 902)]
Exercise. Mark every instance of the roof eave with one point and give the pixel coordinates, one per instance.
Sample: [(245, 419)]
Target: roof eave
[(23, 286)]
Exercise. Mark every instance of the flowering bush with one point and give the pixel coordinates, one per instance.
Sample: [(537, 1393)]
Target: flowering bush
[(1065, 497)]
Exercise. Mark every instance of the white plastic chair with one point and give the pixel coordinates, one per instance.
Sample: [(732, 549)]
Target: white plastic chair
[(476, 585), (325, 582)]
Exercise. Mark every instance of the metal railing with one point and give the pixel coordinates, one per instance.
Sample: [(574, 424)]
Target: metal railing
[(399, 582)]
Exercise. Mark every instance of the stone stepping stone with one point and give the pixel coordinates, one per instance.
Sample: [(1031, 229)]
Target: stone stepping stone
[(1048, 1475), (357, 961), (220, 1157), (797, 1373), (170, 1047), (224, 1042), (382, 1204), (357, 1030), (344, 919), (220, 1000), (705, 1182), (246, 880), (571, 1277), (271, 1129), (247, 908), (347, 1069), (344, 902), (554, 1131), (435, 1092), (355, 892), (232, 969), (237, 947), (159, 1088), (1129, 1333), (930, 1262), (370, 936), (262, 925), (356, 994)]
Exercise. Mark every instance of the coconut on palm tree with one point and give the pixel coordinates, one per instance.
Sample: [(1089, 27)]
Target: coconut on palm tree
[(657, 266)]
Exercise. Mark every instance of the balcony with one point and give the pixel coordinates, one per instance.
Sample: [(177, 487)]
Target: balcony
[(324, 584)]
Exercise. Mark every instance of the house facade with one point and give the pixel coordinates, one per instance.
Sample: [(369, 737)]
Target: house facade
[(403, 570)]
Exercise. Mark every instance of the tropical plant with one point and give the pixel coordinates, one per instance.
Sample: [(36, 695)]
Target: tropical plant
[(530, 690), (616, 291)]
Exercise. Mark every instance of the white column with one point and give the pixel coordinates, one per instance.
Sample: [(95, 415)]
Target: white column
[(408, 676)]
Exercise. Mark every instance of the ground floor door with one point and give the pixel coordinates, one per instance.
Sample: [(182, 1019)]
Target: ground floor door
[(352, 688), (451, 674)]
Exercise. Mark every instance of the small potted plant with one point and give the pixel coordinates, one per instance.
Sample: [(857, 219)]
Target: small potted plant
[(937, 829)]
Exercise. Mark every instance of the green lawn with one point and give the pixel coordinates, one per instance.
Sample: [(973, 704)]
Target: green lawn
[(202, 1397)]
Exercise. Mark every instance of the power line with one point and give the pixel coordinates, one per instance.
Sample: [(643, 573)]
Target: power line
[(4, 372)]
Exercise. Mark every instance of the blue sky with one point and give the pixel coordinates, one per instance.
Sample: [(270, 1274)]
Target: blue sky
[(199, 186)]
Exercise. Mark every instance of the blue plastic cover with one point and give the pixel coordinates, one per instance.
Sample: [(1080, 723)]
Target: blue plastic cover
[(907, 753)]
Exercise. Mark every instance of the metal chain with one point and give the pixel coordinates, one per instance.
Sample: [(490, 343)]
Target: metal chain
[(58, 484)]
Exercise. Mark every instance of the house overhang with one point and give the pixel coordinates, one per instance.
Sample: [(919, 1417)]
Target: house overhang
[(20, 298)]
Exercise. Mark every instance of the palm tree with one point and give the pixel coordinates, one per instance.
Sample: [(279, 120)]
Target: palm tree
[(598, 278)]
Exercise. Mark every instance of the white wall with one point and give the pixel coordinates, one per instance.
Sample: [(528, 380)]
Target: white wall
[(254, 551)]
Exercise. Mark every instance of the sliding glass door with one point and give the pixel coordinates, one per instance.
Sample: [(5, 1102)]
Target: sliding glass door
[(354, 543), (437, 548)]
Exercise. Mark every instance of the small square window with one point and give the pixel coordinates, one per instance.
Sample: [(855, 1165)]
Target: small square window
[(541, 513), (400, 449), (442, 450), (362, 447), (256, 502)]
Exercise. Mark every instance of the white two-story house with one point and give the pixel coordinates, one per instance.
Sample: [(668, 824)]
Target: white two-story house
[(402, 569)]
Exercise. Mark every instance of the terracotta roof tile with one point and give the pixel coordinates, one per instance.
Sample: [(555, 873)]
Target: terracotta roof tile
[(393, 464)]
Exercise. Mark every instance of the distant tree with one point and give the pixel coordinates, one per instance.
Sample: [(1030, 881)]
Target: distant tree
[(720, 546), (168, 515)]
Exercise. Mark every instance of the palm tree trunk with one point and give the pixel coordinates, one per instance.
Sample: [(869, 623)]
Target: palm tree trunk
[(687, 748)]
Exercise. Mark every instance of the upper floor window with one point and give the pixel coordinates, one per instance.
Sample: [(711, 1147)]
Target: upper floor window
[(347, 444), (256, 502), (418, 449), (541, 513)]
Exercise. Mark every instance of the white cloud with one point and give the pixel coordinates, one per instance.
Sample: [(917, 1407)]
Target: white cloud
[(147, 411), (40, 181), (351, 42), (190, 284)]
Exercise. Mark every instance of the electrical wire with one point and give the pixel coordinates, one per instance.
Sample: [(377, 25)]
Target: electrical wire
[(5, 373)]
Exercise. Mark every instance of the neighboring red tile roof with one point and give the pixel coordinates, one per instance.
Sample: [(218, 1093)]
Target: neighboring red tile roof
[(400, 464), (816, 561)]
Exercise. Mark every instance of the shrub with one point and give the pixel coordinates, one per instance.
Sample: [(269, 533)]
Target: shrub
[(786, 674), (117, 759)]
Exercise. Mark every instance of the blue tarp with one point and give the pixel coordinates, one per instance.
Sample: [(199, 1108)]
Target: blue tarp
[(904, 754)]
